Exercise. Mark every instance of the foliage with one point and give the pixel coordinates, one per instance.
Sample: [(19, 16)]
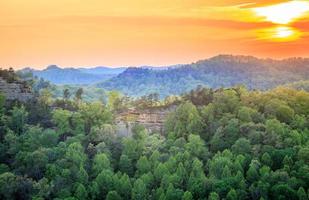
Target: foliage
[(216, 72), (217, 144)]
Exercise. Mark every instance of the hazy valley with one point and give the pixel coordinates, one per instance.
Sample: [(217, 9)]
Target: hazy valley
[(216, 72)]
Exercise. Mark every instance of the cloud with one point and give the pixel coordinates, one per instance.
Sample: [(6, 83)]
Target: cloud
[(159, 21), (302, 25)]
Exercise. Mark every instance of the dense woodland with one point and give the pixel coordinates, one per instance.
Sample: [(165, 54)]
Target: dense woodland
[(216, 72), (218, 144)]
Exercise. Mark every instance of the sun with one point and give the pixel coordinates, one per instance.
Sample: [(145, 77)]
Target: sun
[(283, 32), (283, 13), (279, 34)]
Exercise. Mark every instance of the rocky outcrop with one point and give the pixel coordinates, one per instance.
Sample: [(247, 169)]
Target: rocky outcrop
[(153, 120), (15, 91)]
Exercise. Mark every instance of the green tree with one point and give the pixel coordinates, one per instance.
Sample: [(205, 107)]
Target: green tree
[(75, 154), (244, 114), (113, 195), (196, 146), (2, 103), (49, 138), (43, 188), (80, 192), (114, 100), (79, 94), (124, 187), (197, 180), (100, 163), (125, 165), (283, 191), (139, 190), (232, 195), (172, 193), (18, 119), (94, 115), (104, 182), (15, 187), (132, 148), (187, 196), (226, 101), (62, 119), (105, 133), (266, 159), (252, 173), (280, 110), (213, 196), (160, 171), (184, 121), (66, 94), (181, 175), (242, 146), (34, 163), (94, 190), (303, 154), (302, 194), (225, 136), (143, 165), (82, 175)]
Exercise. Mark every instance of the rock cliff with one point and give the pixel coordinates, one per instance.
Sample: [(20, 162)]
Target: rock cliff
[(153, 120), (15, 91)]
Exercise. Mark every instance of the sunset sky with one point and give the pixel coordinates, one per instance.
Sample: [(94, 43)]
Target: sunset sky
[(71, 33)]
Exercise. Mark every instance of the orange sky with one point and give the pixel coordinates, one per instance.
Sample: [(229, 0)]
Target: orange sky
[(73, 33)]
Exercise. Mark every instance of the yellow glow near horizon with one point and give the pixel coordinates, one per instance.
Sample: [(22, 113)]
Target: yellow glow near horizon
[(279, 34), (283, 32), (283, 13)]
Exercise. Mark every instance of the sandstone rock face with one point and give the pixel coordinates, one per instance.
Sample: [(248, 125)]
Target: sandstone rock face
[(15, 91), (153, 120)]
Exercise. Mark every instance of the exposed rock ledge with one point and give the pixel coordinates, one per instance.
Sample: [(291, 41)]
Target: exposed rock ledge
[(15, 91), (153, 120)]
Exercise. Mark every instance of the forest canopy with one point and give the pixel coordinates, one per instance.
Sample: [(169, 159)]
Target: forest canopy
[(218, 144)]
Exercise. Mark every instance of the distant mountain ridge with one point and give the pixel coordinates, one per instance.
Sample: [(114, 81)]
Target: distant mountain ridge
[(215, 72), (219, 71), (82, 75), (103, 70), (78, 76)]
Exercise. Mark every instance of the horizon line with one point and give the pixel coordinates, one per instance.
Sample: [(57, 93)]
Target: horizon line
[(154, 66)]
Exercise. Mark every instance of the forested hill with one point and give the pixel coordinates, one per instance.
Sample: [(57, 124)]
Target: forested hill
[(219, 71)]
